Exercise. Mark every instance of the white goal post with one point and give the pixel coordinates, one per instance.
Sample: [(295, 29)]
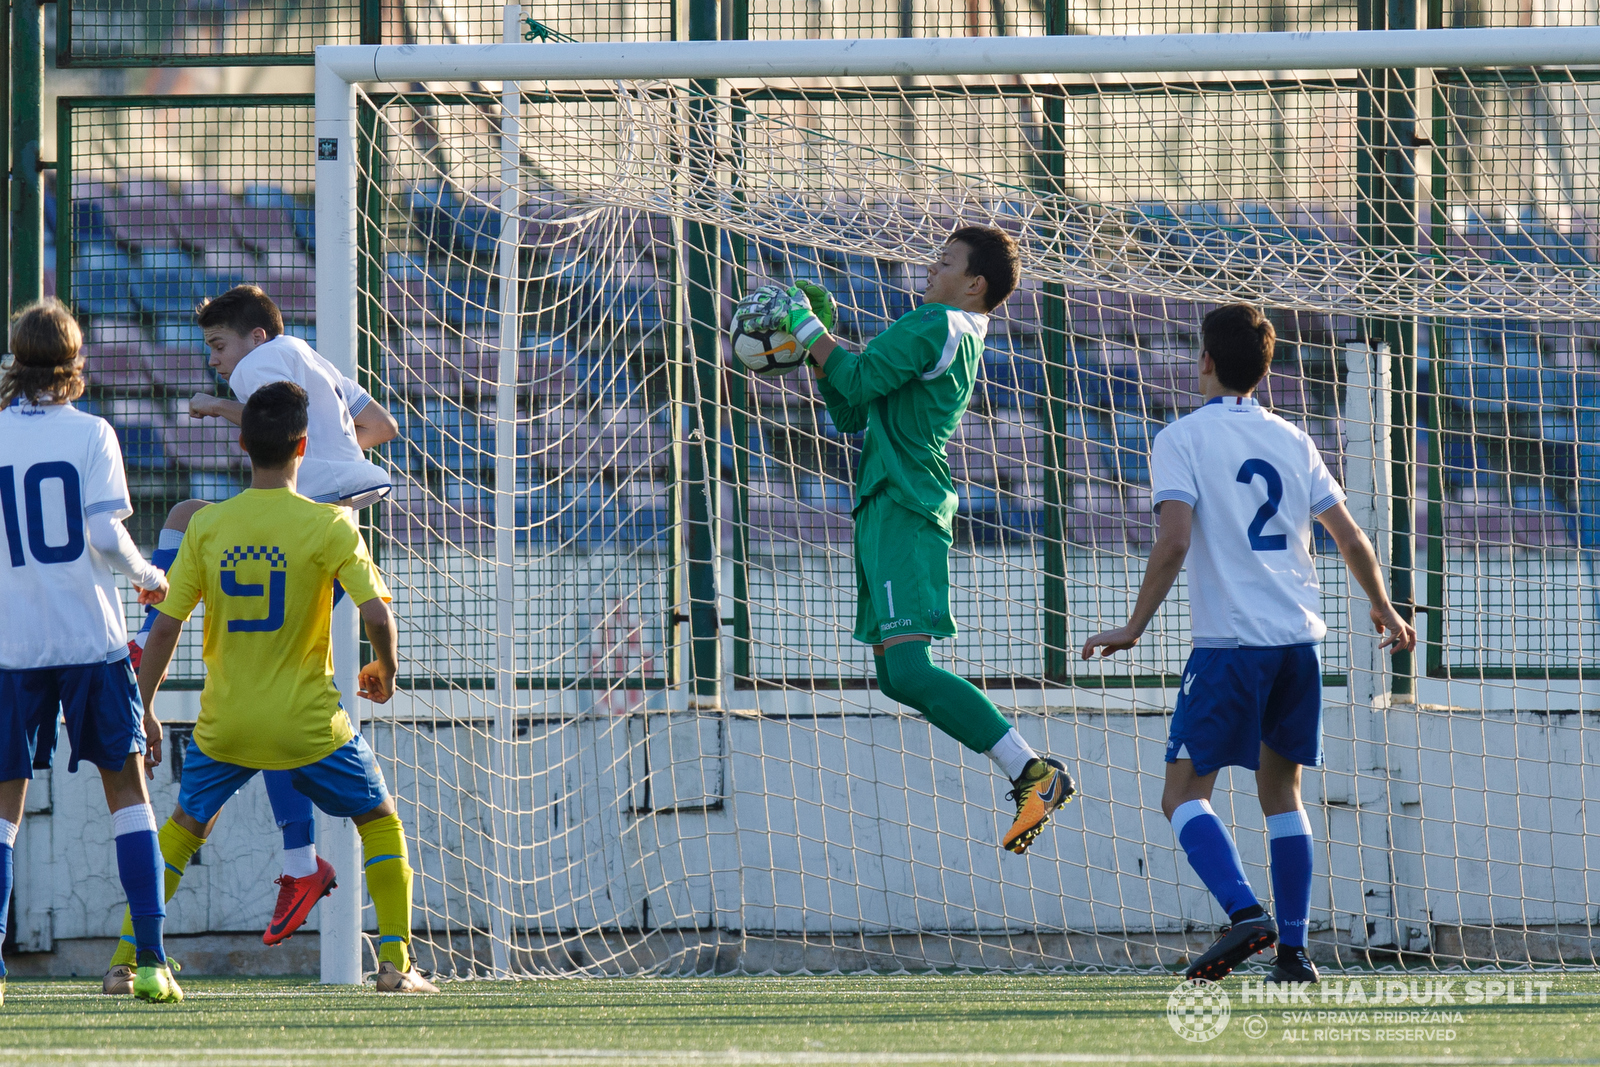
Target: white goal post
[(694, 851)]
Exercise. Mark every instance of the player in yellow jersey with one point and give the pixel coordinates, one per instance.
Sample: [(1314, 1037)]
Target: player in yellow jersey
[(264, 564)]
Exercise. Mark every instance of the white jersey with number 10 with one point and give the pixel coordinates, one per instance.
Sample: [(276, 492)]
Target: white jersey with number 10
[(58, 466), (1255, 482)]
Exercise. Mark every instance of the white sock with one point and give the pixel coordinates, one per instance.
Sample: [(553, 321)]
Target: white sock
[(8, 832), (300, 862), (132, 819), (1011, 754), (1289, 824)]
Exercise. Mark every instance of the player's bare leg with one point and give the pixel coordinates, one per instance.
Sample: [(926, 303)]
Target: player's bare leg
[(12, 795)]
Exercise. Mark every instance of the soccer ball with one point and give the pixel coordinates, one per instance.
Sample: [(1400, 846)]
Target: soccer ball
[(768, 351)]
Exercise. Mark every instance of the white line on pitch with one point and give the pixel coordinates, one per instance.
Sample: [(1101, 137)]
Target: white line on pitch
[(719, 1058)]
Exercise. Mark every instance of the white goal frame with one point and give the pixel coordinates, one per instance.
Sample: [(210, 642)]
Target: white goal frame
[(341, 68)]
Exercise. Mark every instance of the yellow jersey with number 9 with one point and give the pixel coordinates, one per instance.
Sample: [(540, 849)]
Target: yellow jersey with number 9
[(264, 564)]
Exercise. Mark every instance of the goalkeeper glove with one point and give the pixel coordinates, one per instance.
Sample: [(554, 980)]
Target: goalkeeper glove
[(805, 310)]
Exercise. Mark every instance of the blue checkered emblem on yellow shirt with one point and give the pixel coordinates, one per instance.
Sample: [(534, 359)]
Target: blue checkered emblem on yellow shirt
[(273, 556), (273, 590)]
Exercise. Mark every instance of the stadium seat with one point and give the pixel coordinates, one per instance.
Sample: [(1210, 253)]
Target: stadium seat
[(204, 445), (183, 373), (1013, 377), (456, 439), (102, 292), (410, 299), (626, 442), (1464, 462), (544, 364), (89, 225), (477, 224), (143, 439), (417, 362), (469, 302), (1288, 393), (267, 230), (1476, 517), (403, 514), (1130, 456), (117, 366), (467, 521), (209, 232), (175, 291), (591, 515), (138, 224), (644, 511), (115, 330), (295, 295), (603, 374), (301, 216), (1538, 517)]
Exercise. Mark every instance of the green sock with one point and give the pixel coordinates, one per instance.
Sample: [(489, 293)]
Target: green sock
[(886, 687), (178, 847), (950, 702), (388, 873)]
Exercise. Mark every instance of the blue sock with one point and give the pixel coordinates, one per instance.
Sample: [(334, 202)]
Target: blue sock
[(140, 864), (8, 839), (1290, 835), (1213, 855), (164, 555), (291, 808)]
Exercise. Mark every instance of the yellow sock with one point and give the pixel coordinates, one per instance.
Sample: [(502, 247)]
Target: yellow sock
[(388, 871), (178, 847)]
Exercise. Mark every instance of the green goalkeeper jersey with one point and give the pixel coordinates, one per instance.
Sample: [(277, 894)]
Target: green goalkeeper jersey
[(908, 389)]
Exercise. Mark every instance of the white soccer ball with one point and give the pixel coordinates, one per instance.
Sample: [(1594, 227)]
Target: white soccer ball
[(767, 352)]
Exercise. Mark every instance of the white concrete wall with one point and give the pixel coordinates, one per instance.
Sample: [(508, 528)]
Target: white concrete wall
[(869, 823)]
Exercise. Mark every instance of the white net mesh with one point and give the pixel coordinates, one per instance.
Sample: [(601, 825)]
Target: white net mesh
[(636, 803)]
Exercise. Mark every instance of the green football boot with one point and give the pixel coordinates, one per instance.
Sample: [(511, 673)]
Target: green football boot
[(154, 982)]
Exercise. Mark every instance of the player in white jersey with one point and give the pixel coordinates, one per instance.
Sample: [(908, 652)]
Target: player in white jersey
[(63, 647), (1236, 488), (243, 328)]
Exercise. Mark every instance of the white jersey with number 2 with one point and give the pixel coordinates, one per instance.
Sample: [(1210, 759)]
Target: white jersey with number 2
[(61, 607), (1255, 482)]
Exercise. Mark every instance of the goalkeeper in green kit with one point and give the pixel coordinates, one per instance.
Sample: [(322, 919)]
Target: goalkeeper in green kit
[(908, 390)]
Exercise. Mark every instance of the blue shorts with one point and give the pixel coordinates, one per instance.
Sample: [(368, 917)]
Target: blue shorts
[(1234, 700), (344, 783), (105, 718)]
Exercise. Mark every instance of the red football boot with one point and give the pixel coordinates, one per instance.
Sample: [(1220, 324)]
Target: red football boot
[(135, 654), (296, 898)]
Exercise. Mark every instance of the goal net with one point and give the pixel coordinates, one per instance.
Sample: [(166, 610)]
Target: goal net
[(633, 733)]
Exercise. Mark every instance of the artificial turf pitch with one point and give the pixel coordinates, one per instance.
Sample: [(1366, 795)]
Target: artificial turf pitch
[(730, 1021)]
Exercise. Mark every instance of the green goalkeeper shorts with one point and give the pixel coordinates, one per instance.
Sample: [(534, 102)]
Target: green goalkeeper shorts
[(902, 573)]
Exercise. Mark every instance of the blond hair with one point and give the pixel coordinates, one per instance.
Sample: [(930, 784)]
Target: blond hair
[(47, 355)]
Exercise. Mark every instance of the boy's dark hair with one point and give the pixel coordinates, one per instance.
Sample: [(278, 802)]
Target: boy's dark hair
[(241, 309), (992, 253), (1240, 341), (46, 346), (274, 423)]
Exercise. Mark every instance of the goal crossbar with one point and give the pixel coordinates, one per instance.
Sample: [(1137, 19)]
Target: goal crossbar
[(930, 56)]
